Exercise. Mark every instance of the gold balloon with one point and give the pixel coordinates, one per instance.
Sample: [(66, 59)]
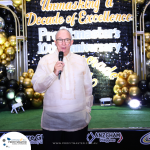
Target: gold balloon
[(17, 2), (117, 100), (30, 75), (30, 71), (121, 82), (148, 55), (125, 90), (12, 57), (8, 59), (1, 50), (140, 1), (125, 71), (15, 5), (147, 37), (29, 92), (3, 47), (12, 40), (21, 79), (119, 91), (125, 75), (148, 48), (9, 51), (36, 95), (4, 34), (25, 74), (116, 87), (2, 38), (120, 74), (130, 72), (3, 56), (146, 45), (42, 96), (124, 97), (7, 44), (133, 79), (134, 91), (28, 0), (37, 102), (27, 83), (4, 62), (20, 6)]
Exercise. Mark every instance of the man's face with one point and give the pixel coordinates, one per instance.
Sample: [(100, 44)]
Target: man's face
[(61, 44)]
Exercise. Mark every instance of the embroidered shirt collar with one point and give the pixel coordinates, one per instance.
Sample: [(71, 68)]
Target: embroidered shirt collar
[(67, 57)]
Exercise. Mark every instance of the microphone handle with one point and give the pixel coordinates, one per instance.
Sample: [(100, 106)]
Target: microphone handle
[(59, 75)]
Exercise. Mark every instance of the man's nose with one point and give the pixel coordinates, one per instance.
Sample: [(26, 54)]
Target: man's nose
[(63, 42)]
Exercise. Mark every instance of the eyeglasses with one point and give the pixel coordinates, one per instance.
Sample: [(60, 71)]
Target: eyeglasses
[(61, 40)]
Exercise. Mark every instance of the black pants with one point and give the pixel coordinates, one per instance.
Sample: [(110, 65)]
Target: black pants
[(63, 140)]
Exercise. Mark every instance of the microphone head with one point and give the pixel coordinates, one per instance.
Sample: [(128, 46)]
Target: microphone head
[(61, 55)]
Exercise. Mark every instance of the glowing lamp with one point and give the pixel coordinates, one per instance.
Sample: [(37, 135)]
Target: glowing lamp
[(134, 104)]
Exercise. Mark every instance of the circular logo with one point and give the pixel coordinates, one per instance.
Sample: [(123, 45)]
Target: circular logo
[(14, 141)]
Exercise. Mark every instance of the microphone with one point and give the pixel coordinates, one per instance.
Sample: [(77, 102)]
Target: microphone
[(60, 57)]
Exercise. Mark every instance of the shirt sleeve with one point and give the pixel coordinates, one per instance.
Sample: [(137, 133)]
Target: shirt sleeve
[(42, 80), (88, 87)]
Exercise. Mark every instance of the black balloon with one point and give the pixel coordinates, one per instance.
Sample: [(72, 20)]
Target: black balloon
[(148, 77), (147, 26), (20, 88), (12, 83), (3, 69), (20, 97), (3, 102), (2, 91), (142, 85), (27, 104), (9, 19), (10, 94), (10, 103), (3, 81), (1, 75), (146, 97)]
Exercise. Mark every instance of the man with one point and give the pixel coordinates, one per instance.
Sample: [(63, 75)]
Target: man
[(67, 102)]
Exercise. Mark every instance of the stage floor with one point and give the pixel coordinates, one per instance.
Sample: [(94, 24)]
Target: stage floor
[(110, 117)]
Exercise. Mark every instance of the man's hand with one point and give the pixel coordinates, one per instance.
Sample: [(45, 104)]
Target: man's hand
[(58, 67)]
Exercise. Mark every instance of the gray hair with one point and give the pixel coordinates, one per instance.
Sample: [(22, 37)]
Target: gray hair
[(63, 28)]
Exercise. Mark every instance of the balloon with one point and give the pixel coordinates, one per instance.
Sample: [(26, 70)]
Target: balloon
[(121, 82), (120, 74), (17, 2), (27, 83), (30, 75), (140, 1), (12, 83), (148, 55), (116, 87), (2, 38), (20, 97), (147, 26), (143, 85), (124, 97), (148, 48), (146, 97), (26, 104), (3, 69), (21, 79), (147, 37), (10, 103), (36, 95), (25, 75), (3, 81), (2, 23), (42, 96), (134, 91), (29, 92), (30, 71), (1, 50), (117, 100), (4, 62), (20, 88), (37, 102), (133, 79), (3, 56), (10, 94), (9, 51), (130, 72), (7, 44), (3, 102), (125, 90), (2, 91), (148, 77), (125, 75), (12, 40)]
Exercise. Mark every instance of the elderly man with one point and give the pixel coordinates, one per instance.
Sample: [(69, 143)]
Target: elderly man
[(68, 100)]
